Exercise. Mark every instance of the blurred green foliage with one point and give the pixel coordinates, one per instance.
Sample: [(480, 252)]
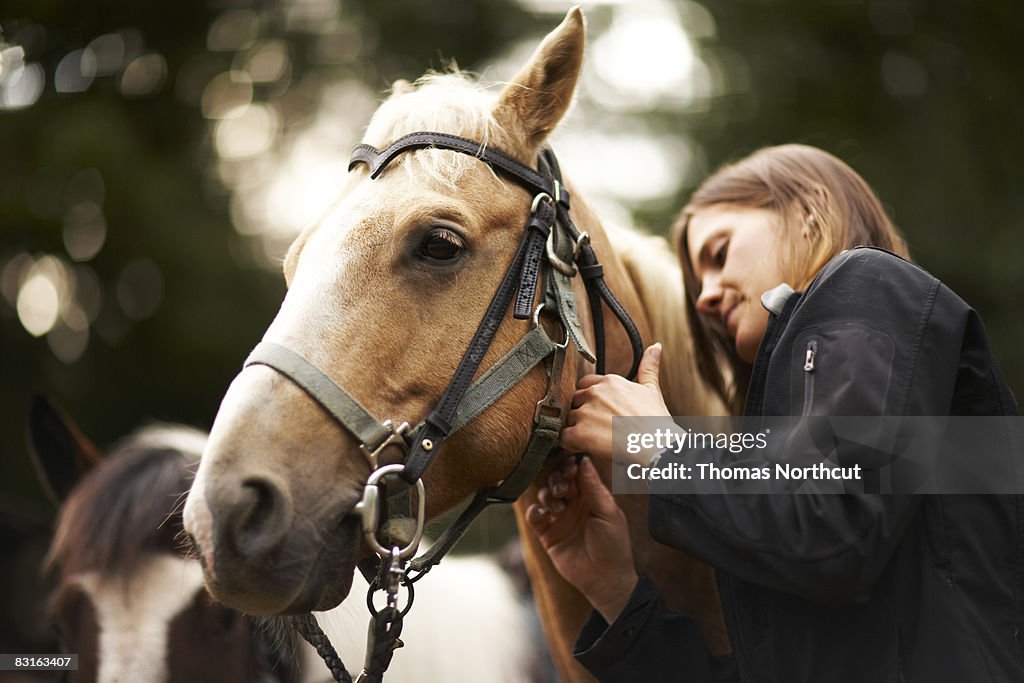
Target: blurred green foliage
[(921, 97), (153, 156)]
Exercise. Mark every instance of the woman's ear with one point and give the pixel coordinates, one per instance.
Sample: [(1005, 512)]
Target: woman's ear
[(811, 229), (814, 206)]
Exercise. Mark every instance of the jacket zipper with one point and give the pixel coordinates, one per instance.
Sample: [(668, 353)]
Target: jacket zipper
[(809, 361)]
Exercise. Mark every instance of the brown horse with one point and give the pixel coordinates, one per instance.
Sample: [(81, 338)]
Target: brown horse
[(127, 600), (384, 296)]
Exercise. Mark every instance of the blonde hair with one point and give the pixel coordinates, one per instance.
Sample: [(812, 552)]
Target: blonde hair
[(447, 102), (824, 207)]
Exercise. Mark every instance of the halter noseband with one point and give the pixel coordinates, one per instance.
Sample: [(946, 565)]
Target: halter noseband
[(552, 252)]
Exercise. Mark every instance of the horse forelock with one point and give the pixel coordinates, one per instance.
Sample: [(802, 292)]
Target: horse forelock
[(451, 103), (129, 506)]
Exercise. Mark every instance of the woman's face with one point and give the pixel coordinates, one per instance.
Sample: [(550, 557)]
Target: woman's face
[(736, 257)]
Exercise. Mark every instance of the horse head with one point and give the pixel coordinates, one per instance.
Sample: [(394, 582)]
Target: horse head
[(126, 600), (384, 295)]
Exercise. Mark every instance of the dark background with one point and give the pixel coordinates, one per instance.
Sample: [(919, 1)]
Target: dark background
[(923, 98)]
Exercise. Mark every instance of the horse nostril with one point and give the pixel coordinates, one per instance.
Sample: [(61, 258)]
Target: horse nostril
[(259, 503), (262, 517)]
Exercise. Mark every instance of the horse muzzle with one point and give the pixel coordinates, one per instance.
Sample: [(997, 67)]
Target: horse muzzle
[(259, 555)]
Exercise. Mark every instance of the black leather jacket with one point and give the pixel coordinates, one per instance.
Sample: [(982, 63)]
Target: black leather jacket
[(862, 588)]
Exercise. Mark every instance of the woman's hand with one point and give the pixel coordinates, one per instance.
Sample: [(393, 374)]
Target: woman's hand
[(586, 536), (598, 398)]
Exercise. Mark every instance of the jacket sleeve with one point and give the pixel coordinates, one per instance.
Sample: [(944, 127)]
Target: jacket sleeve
[(649, 643), (887, 339)]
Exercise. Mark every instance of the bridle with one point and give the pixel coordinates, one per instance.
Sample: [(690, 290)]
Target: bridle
[(551, 253)]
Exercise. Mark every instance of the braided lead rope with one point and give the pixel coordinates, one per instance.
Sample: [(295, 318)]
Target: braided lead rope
[(382, 641), (311, 632)]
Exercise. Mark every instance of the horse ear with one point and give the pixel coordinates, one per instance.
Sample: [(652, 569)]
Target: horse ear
[(540, 94), (60, 452)]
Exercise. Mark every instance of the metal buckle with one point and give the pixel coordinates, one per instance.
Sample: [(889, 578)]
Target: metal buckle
[(566, 269), (368, 509), (582, 240), (396, 437), (536, 324), (538, 199)]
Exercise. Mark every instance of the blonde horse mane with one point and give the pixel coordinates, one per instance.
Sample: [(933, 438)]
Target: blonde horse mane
[(654, 271)]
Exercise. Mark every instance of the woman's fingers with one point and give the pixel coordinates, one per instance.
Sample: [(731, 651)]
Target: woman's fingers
[(548, 500), (576, 439), (539, 518), (585, 438), (556, 482), (569, 470), (597, 493), (579, 397), (568, 440), (562, 483)]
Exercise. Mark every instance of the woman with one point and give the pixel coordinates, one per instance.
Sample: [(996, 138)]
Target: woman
[(856, 587)]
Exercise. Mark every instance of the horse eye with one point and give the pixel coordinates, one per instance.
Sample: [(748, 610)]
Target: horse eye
[(442, 244)]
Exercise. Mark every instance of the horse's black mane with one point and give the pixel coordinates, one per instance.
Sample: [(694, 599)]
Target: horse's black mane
[(126, 508)]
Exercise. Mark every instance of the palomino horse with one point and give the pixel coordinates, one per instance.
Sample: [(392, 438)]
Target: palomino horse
[(134, 608), (385, 295)]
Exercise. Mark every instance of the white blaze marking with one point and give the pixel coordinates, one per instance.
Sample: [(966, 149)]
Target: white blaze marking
[(134, 621)]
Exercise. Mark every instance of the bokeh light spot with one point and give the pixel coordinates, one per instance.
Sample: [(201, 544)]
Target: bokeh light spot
[(645, 55), (22, 86), (109, 51), (227, 94), (269, 62), (75, 72), (249, 134), (85, 231), (66, 342), (144, 75), (140, 289), (234, 30), (39, 301)]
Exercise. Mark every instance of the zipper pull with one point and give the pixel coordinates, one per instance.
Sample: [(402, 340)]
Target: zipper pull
[(812, 348)]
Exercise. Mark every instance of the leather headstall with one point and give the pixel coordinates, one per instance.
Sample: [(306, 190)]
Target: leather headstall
[(551, 253)]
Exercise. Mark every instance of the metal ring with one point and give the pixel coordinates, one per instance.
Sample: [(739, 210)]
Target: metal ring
[(367, 509), (374, 588), (565, 342), (396, 437), (536, 324), (536, 314)]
